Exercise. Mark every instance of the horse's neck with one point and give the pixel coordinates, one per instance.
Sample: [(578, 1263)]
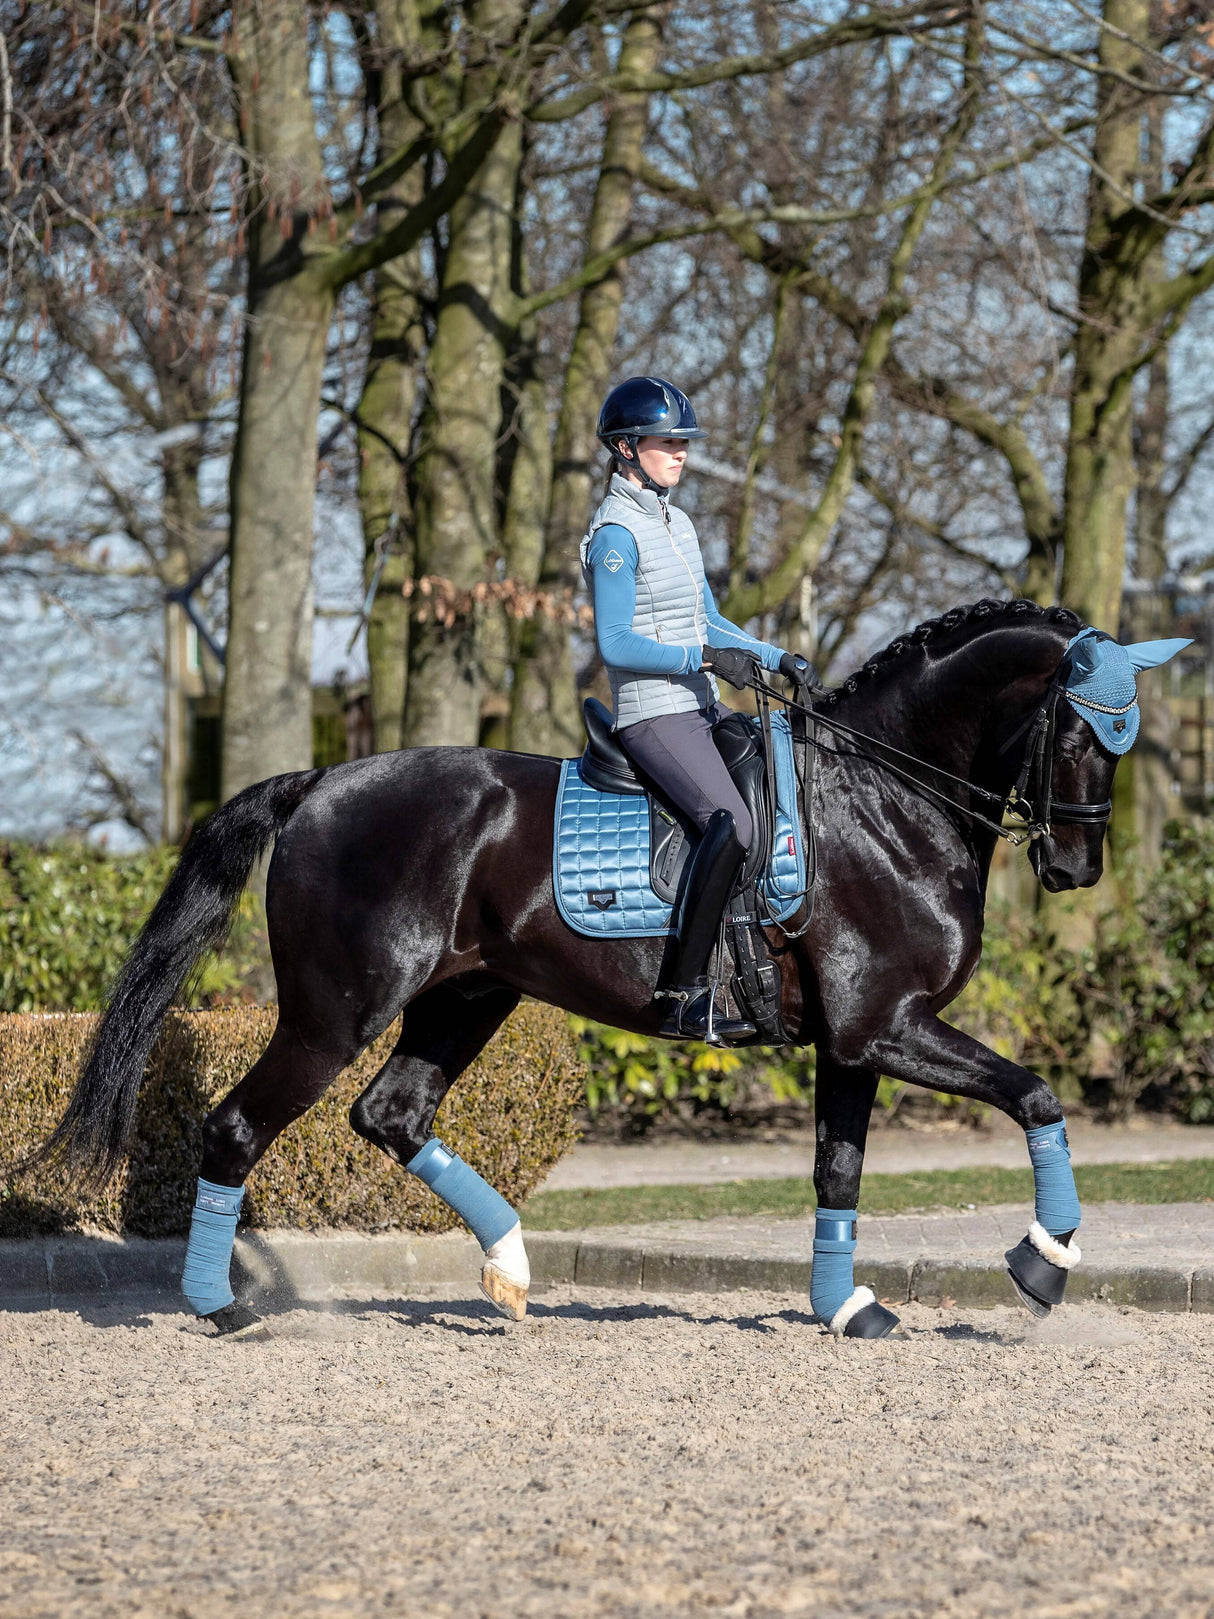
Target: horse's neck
[(966, 701)]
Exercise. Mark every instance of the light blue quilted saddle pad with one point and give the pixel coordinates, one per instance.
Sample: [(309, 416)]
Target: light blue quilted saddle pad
[(600, 857)]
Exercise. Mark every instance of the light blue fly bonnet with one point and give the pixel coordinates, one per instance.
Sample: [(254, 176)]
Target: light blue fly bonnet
[(1099, 685)]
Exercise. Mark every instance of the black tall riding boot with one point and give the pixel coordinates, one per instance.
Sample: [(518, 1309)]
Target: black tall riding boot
[(715, 868)]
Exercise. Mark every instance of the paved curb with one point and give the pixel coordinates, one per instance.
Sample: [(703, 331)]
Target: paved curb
[(285, 1265)]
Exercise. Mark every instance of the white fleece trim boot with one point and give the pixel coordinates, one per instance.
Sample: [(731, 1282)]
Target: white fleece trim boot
[(850, 1307), (1050, 1248)]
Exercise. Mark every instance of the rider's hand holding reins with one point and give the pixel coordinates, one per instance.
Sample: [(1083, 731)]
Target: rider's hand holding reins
[(738, 667)]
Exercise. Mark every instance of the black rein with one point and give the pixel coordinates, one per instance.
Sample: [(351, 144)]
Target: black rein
[(1033, 786)]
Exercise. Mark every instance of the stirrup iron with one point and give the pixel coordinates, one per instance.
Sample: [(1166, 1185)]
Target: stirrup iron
[(712, 1030)]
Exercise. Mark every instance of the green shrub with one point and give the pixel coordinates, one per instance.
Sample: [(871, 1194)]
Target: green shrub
[(68, 914), (510, 1116), (1130, 1015)]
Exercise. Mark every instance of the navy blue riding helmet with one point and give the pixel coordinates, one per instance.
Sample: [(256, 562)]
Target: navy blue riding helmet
[(646, 407)]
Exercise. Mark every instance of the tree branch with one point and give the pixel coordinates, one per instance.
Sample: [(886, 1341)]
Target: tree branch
[(902, 513), (347, 265), (124, 796), (1188, 462), (903, 21), (779, 583)]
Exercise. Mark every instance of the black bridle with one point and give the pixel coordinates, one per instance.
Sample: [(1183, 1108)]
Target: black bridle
[(1031, 798)]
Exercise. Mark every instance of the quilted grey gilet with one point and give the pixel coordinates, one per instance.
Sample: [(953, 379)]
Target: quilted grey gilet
[(669, 604)]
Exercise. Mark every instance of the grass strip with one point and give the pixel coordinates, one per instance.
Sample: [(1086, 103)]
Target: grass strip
[(1180, 1180)]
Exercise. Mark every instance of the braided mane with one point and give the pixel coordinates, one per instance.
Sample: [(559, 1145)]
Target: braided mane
[(979, 613)]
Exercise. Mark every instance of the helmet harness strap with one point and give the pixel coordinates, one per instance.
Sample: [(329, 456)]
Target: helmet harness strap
[(633, 441)]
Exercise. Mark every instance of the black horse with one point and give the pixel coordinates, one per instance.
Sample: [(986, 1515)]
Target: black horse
[(420, 882)]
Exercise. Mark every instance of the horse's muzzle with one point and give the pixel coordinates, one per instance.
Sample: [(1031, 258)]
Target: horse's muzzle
[(1059, 870)]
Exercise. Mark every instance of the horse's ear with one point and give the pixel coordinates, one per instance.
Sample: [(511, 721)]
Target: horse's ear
[(1150, 654), (1085, 652)]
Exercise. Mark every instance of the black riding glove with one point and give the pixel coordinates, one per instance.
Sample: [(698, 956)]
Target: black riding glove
[(731, 663), (793, 667)]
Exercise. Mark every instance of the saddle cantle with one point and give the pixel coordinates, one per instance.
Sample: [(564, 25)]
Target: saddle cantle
[(620, 852), (604, 764)]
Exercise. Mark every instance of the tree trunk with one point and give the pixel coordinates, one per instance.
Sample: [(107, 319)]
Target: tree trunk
[(782, 583), (184, 540), (456, 517), (525, 471), (1100, 458), (267, 704), (544, 714), (385, 423), (1148, 791), (389, 396)]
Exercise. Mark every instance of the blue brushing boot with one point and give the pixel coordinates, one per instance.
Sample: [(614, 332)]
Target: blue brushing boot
[(1040, 1262), (848, 1311)]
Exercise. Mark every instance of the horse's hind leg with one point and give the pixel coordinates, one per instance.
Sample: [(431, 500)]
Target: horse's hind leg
[(286, 1080), (843, 1104), (443, 1030)]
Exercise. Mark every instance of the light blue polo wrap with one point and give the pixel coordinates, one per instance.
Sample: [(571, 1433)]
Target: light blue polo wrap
[(1055, 1202), (831, 1284), (208, 1254), (485, 1212)]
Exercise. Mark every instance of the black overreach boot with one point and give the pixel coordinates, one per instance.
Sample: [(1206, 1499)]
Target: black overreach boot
[(714, 871)]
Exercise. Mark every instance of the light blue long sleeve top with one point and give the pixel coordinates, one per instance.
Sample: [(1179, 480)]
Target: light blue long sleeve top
[(615, 598)]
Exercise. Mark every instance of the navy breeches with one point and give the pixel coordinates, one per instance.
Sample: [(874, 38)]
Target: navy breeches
[(677, 751)]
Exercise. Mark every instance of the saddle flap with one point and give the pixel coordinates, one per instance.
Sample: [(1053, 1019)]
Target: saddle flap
[(737, 741), (669, 848)]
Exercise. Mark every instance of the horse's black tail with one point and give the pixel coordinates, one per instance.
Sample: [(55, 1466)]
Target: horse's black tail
[(192, 916)]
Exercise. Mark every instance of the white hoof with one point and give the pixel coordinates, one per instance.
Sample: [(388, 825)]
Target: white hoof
[(506, 1277), (507, 1297)]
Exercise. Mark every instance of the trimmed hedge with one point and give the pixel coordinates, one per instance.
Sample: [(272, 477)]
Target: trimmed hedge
[(510, 1115)]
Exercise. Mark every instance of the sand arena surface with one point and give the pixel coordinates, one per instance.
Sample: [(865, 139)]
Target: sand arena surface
[(611, 1455)]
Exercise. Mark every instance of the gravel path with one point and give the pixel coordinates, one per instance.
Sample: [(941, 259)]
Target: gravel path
[(611, 1456)]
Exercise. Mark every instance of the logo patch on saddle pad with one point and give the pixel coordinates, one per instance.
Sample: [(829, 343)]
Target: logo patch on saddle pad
[(601, 898), (613, 562)]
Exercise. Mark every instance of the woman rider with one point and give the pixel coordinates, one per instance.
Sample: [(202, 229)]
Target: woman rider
[(660, 635)]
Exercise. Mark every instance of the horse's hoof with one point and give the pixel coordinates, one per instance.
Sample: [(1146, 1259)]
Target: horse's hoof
[(1034, 1306), (506, 1296), (874, 1321), (238, 1321)]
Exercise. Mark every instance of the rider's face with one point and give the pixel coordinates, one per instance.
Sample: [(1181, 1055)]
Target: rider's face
[(662, 459)]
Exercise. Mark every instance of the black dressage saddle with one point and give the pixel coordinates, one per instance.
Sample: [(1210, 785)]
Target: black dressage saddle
[(672, 837)]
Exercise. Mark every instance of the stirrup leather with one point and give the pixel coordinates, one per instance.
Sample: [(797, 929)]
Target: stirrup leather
[(756, 978)]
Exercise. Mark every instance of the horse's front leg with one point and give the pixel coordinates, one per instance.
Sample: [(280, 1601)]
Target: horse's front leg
[(843, 1104), (923, 1050)]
